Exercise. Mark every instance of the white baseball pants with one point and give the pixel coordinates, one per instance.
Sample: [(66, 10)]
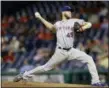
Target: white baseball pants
[(60, 55)]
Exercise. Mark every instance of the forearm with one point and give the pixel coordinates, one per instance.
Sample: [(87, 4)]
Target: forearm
[(86, 26), (47, 24)]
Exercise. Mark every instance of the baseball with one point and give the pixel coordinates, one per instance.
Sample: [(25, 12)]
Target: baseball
[(37, 14)]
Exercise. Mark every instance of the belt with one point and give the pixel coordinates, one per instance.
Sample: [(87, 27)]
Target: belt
[(65, 48)]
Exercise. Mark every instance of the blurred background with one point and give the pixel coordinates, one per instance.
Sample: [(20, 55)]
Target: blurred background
[(26, 42)]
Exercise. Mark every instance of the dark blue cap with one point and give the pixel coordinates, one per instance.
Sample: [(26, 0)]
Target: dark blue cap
[(66, 8)]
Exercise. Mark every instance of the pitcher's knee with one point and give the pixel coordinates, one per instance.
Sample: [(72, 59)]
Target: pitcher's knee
[(47, 68), (89, 58)]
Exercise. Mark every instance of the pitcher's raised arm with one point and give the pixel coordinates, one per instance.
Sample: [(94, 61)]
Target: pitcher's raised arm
[(49, 25)]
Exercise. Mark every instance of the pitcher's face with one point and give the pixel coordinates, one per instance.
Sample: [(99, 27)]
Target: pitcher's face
[(67, 14)]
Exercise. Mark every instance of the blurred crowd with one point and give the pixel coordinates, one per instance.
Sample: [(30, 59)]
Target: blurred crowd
[(26, 42)]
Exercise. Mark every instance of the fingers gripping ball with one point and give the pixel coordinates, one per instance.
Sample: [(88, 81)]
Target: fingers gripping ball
[(37, 15)]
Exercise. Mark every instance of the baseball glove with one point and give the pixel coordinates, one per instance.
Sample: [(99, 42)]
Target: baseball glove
[(78, 33), (77, 26)]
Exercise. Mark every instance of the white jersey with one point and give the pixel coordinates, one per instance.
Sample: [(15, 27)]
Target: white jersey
[(65, 32)]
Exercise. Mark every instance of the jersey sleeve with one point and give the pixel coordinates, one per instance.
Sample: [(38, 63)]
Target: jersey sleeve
[(81, 22)]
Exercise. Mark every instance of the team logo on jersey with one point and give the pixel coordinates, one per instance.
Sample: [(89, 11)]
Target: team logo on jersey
[(65, 28)]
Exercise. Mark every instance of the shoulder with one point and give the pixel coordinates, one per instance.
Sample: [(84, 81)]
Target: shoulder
[(80, 21), (76, 19), (57, 23)]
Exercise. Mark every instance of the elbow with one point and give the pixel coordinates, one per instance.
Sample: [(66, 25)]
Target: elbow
[(50, 28)]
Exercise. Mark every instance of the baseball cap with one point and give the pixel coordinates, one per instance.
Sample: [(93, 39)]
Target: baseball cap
[(66, 8)]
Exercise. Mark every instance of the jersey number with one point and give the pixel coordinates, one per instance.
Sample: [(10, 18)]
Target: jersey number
[(70, 34)]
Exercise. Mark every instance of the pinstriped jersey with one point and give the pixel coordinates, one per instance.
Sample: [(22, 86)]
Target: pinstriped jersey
[(65, 32)]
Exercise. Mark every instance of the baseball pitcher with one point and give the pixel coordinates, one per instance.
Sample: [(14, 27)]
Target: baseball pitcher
[(65, 30)]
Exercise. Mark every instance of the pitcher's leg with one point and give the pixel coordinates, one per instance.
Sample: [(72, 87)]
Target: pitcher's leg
[(55, 59), (83, 57), (91, 66)]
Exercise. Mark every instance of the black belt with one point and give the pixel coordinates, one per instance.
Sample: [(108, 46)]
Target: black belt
[(65, 48)]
